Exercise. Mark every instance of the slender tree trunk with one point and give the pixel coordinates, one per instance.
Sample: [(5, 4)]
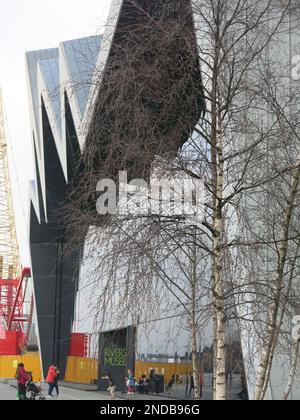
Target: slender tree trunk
[(220, 315), (292, 373), (280, 321), (194, 324), (214, 380), (195, 362), (217, 164), (269, 344)]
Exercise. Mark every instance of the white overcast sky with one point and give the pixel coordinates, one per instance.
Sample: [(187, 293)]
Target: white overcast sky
[(27, 25)]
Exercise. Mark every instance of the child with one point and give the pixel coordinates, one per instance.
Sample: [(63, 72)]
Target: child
[(112, 385), (130, 382)]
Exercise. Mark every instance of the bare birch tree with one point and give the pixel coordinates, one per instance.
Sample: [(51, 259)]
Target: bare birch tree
[(151, 103)]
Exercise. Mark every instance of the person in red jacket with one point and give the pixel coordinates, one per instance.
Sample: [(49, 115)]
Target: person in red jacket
[(22, 378), (51, 377)]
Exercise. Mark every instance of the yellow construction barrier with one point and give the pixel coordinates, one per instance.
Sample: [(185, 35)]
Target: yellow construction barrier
[(85, 371), (80, 370), (9, 364), (166, 369)]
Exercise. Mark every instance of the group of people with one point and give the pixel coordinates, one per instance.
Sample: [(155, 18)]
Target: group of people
[(143, 385), (25, 378), (147, 385), (150, 385), (189, 383)]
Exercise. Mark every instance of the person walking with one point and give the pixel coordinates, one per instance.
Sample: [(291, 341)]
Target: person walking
[(152, 382), (56, 387), (171, 384), (52, 373), (22, 378), (156, 384), (112, 385), (201, 381), (243, 395), (192, 384), (186, 384)]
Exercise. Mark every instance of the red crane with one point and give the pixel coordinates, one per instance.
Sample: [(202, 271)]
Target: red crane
[(15, 313)]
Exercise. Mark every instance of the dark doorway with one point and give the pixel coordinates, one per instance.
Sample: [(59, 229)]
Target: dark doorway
[(116, 356)]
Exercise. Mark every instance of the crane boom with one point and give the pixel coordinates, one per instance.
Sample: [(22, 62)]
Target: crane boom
[(15, 323), (10, 266)]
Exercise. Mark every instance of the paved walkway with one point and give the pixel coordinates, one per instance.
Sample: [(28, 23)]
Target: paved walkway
[(88, 392), (178, 391), (7, 392)]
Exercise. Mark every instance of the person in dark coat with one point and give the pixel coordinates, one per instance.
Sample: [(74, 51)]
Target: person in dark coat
[(151, 387), (186, 385), (192, 384), (56, 379), (111, 385)]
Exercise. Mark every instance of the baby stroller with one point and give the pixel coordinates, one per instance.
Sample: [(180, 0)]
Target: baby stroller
[(35, 392)]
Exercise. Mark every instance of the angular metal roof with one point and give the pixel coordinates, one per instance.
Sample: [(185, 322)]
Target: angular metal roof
[(51, 73), (82, 55)]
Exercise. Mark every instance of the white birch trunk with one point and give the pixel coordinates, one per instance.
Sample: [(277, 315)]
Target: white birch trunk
[(292, 373), (220, 392), (194, 324), (195, 363), (269, 344)]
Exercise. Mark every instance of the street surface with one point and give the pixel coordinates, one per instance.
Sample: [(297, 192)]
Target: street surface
[(9, 393)]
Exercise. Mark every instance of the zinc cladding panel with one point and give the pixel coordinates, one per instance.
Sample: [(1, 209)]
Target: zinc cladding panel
[(33, 58), (50, 70), (82, 55)]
